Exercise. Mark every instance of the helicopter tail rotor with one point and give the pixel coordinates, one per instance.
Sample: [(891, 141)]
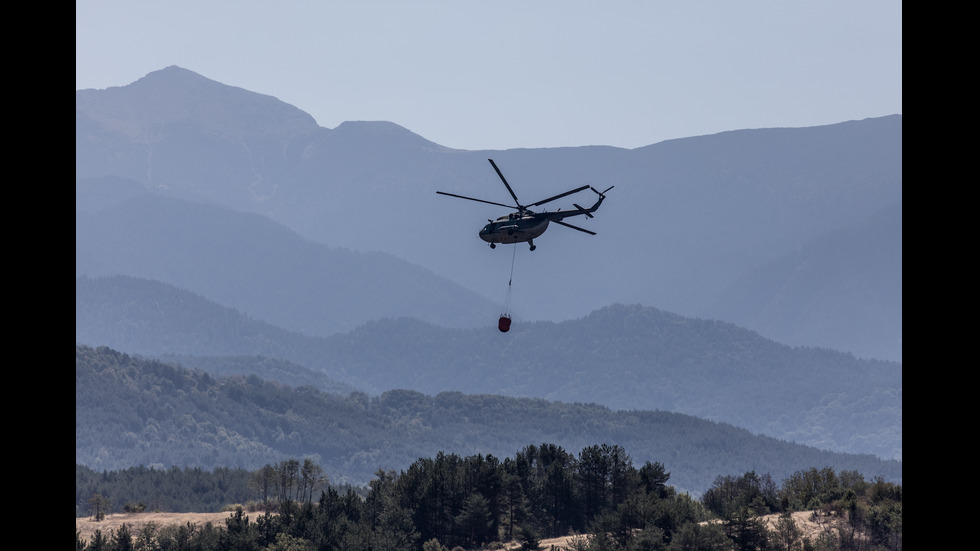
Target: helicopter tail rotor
[(601, 194)]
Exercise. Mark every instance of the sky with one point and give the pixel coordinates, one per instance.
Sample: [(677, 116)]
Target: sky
[(508, 74)]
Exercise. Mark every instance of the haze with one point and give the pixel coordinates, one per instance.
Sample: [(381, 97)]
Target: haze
[(501, 75)]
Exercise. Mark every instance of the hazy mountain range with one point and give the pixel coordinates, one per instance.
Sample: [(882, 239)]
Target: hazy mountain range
[(734, 277), (132, 411), (794, 233), (622, 357)]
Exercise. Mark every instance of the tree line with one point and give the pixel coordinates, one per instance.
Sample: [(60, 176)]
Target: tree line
[(451, 502)]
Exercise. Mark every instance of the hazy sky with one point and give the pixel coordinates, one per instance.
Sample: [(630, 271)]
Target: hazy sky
[(531, 73)]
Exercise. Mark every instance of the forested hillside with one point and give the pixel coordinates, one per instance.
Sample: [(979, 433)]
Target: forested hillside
[(623, 357), (134, 411)]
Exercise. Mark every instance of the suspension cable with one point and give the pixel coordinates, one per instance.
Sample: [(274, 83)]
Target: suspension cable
[(510, 282)]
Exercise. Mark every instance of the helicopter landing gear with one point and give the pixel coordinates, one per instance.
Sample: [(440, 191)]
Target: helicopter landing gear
[(531, 243), (493, 245)]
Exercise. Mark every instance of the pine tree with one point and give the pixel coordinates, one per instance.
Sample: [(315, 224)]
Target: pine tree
[(122, 539), (475, 520)]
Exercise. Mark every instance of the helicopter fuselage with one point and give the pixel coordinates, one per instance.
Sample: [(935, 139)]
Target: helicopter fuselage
[(514, 228)]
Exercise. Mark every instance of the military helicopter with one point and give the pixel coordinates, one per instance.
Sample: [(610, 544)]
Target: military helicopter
[(525, 225)]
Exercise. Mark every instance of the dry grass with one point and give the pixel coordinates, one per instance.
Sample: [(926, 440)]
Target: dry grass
[(87, 526), (805, 521)]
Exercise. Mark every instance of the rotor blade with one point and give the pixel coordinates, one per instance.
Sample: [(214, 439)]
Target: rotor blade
[(504, 180), (559, 196), (472, 199), (566, 224)]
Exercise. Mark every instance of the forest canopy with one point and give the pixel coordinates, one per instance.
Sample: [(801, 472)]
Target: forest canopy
[(449, 501)]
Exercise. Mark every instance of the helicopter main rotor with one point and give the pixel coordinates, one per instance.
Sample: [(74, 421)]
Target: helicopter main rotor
[(521, 208)]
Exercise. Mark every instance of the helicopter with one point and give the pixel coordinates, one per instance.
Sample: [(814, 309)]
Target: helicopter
[(525, 225)]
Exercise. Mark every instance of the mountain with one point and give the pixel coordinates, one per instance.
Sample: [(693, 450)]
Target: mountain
[(629, 358), (261, 267), (861, 263), (758, 227), (135, 411)]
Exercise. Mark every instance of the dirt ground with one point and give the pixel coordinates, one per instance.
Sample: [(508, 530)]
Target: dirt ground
[(810, 526), (545, 544), (136, 521), (805, 521)]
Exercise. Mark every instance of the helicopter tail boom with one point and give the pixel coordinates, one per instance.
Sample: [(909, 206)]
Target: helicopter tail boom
[(587, 212)]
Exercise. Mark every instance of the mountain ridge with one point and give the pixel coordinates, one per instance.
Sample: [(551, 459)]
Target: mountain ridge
[(687, 218), (131, 410), (173, 96), (624, 357), (250, 262)]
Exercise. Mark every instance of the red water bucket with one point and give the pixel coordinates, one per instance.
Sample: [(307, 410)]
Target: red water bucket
[(504, 323)]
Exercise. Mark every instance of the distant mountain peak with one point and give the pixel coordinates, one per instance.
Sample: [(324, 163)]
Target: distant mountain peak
[(174, 95), (173, 72), (377, 132)]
